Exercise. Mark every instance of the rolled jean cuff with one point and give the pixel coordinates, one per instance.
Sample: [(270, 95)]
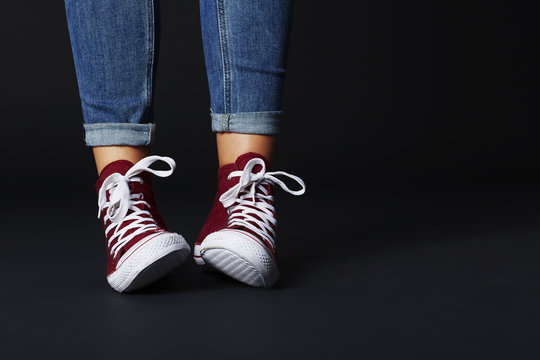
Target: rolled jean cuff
[(261, 122), (109, 134)]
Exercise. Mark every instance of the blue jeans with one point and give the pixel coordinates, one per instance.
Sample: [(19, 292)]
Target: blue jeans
[(115, 46)]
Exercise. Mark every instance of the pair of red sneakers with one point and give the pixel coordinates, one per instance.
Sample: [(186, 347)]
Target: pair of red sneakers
[(237, 239)]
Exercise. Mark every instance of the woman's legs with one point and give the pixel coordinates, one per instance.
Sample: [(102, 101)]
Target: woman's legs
[(115, 46), (245, 43)]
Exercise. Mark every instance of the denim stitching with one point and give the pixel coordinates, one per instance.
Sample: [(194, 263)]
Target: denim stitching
[(255, 122), (147, 137), (150, 69), (224, 56)]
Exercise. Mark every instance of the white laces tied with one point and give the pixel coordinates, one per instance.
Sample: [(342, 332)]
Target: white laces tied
[(241, 199), (121, 201)]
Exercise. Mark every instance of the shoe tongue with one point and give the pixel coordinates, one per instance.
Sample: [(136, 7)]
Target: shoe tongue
[(119, 166), (242, 160)]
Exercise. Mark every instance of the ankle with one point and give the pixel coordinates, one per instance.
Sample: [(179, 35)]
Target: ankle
[(231, 145), (104, 155)]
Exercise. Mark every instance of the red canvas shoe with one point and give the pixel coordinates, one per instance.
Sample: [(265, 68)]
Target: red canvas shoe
[(239, 235), (139, 248)]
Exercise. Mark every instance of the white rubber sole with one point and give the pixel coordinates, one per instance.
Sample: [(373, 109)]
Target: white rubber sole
[(145, 263), (239, 255)]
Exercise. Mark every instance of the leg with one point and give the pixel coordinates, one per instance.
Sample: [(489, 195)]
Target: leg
[(231, 145), (114, 47), (245, 44), (114, 50), (104, 155)]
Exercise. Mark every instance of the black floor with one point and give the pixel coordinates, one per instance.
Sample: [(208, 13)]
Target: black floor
[(381, 274)]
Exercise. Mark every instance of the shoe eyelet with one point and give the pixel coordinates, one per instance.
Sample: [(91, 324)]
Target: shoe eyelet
[(141, 196)]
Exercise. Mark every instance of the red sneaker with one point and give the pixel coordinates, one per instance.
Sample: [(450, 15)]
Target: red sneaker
[(239, 235), (139, 248)]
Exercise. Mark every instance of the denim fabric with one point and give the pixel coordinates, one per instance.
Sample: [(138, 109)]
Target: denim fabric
[(245, 48), (103, 134), (115, 48)]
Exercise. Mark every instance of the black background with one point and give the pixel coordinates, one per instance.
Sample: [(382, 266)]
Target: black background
[(415, 127)]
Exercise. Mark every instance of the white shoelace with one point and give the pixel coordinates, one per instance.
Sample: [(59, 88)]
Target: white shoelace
[(121, 201), (253, 209)]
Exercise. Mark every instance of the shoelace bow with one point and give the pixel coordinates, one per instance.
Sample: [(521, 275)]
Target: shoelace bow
[(249, 203), (121, 201)]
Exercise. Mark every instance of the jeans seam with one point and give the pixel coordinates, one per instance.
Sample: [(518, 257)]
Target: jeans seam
[(223, 38), (150, 48)]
